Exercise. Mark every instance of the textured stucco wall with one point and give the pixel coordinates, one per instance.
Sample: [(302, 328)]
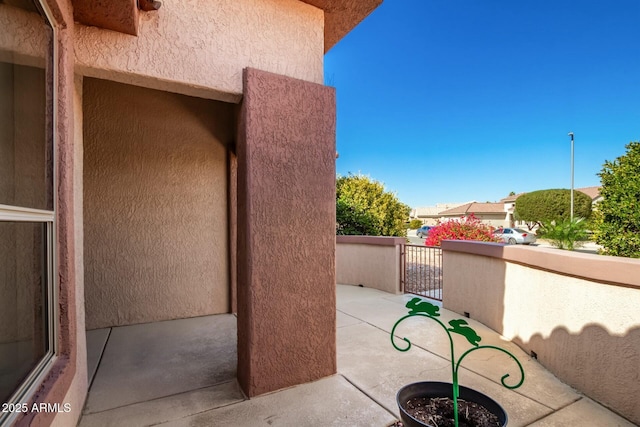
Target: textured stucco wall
[(494, 220), (200, 47), (155, 205), (77, 392), (374, 262), (585, 332), (286, 233), (22, 39)]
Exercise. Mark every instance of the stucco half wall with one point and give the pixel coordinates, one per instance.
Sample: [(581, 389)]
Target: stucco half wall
[(371, 261), (155, 205), (577, 312)]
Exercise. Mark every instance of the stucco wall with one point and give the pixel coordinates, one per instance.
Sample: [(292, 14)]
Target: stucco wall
[(497, 220), (155, 205), (555, 304), (77, 392), (286, 233), (200, 47), (22, 40), (494, 219), (370, 261)]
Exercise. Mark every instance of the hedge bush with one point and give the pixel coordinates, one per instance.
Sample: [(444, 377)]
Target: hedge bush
[(552, 205)]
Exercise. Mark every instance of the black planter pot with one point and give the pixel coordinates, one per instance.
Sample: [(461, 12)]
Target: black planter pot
[(438, 389)]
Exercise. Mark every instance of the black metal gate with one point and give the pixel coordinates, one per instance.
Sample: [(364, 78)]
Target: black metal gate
[(422, 271)]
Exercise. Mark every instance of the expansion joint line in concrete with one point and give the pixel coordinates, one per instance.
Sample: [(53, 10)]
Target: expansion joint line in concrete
[(198, 412), (102, 350), (369, 396), (173, 395), (553, 411)]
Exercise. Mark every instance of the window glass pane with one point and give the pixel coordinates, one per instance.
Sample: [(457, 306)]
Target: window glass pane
[(23, 302), (26, 118)]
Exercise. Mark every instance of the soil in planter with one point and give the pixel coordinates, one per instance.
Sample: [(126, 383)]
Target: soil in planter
[(438, 411)]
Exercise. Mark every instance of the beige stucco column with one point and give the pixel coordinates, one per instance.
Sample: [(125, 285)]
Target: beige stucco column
[(286, 233)]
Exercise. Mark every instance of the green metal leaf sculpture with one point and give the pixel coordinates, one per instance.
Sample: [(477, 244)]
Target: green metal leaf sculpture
[(421, 308)]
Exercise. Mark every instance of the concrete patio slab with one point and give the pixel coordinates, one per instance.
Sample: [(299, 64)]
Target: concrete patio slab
[(347, 293), (331, 401), (96, 342), (343, 320), (167, 409), (367, 359), (404, 298), (381, 373), (541, 385), (182, 373), (154, 360), (585, 413), (384, 311)]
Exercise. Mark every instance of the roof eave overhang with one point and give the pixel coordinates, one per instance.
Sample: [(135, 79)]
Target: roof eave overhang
[(116, 15), (340, 16)]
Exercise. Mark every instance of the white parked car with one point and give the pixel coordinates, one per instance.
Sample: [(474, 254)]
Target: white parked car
[(514, 236)]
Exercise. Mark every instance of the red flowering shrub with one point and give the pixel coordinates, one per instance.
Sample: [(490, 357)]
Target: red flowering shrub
[(465, 228)]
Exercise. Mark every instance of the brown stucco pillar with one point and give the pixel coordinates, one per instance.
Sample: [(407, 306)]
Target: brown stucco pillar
[(286, 233)]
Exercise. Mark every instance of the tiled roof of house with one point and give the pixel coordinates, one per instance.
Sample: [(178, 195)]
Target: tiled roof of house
[(593, 192), (511, 198), (434, 211), (451, 209), (476, 208)]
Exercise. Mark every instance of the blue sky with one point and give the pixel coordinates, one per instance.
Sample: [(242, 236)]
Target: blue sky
[(458, 100)]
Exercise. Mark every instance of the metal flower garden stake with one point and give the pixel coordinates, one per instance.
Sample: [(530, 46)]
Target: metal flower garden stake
[(418, 307)]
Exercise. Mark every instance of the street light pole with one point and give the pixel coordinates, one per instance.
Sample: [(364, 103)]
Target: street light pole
[(571, 135)]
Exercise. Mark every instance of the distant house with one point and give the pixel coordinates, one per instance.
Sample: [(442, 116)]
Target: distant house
[(509, 204), (495, 214), (498, 214), (429, 215), (593, 192)]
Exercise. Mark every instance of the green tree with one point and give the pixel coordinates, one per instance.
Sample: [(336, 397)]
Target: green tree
[(415, 224), (552, 205), (617, 222), (364, 207)]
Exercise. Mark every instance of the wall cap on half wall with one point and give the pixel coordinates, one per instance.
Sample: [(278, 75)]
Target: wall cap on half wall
[(371, 240), (606, 269)]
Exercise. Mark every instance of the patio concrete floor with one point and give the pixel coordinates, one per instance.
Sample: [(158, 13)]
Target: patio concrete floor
[(182, 373)]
